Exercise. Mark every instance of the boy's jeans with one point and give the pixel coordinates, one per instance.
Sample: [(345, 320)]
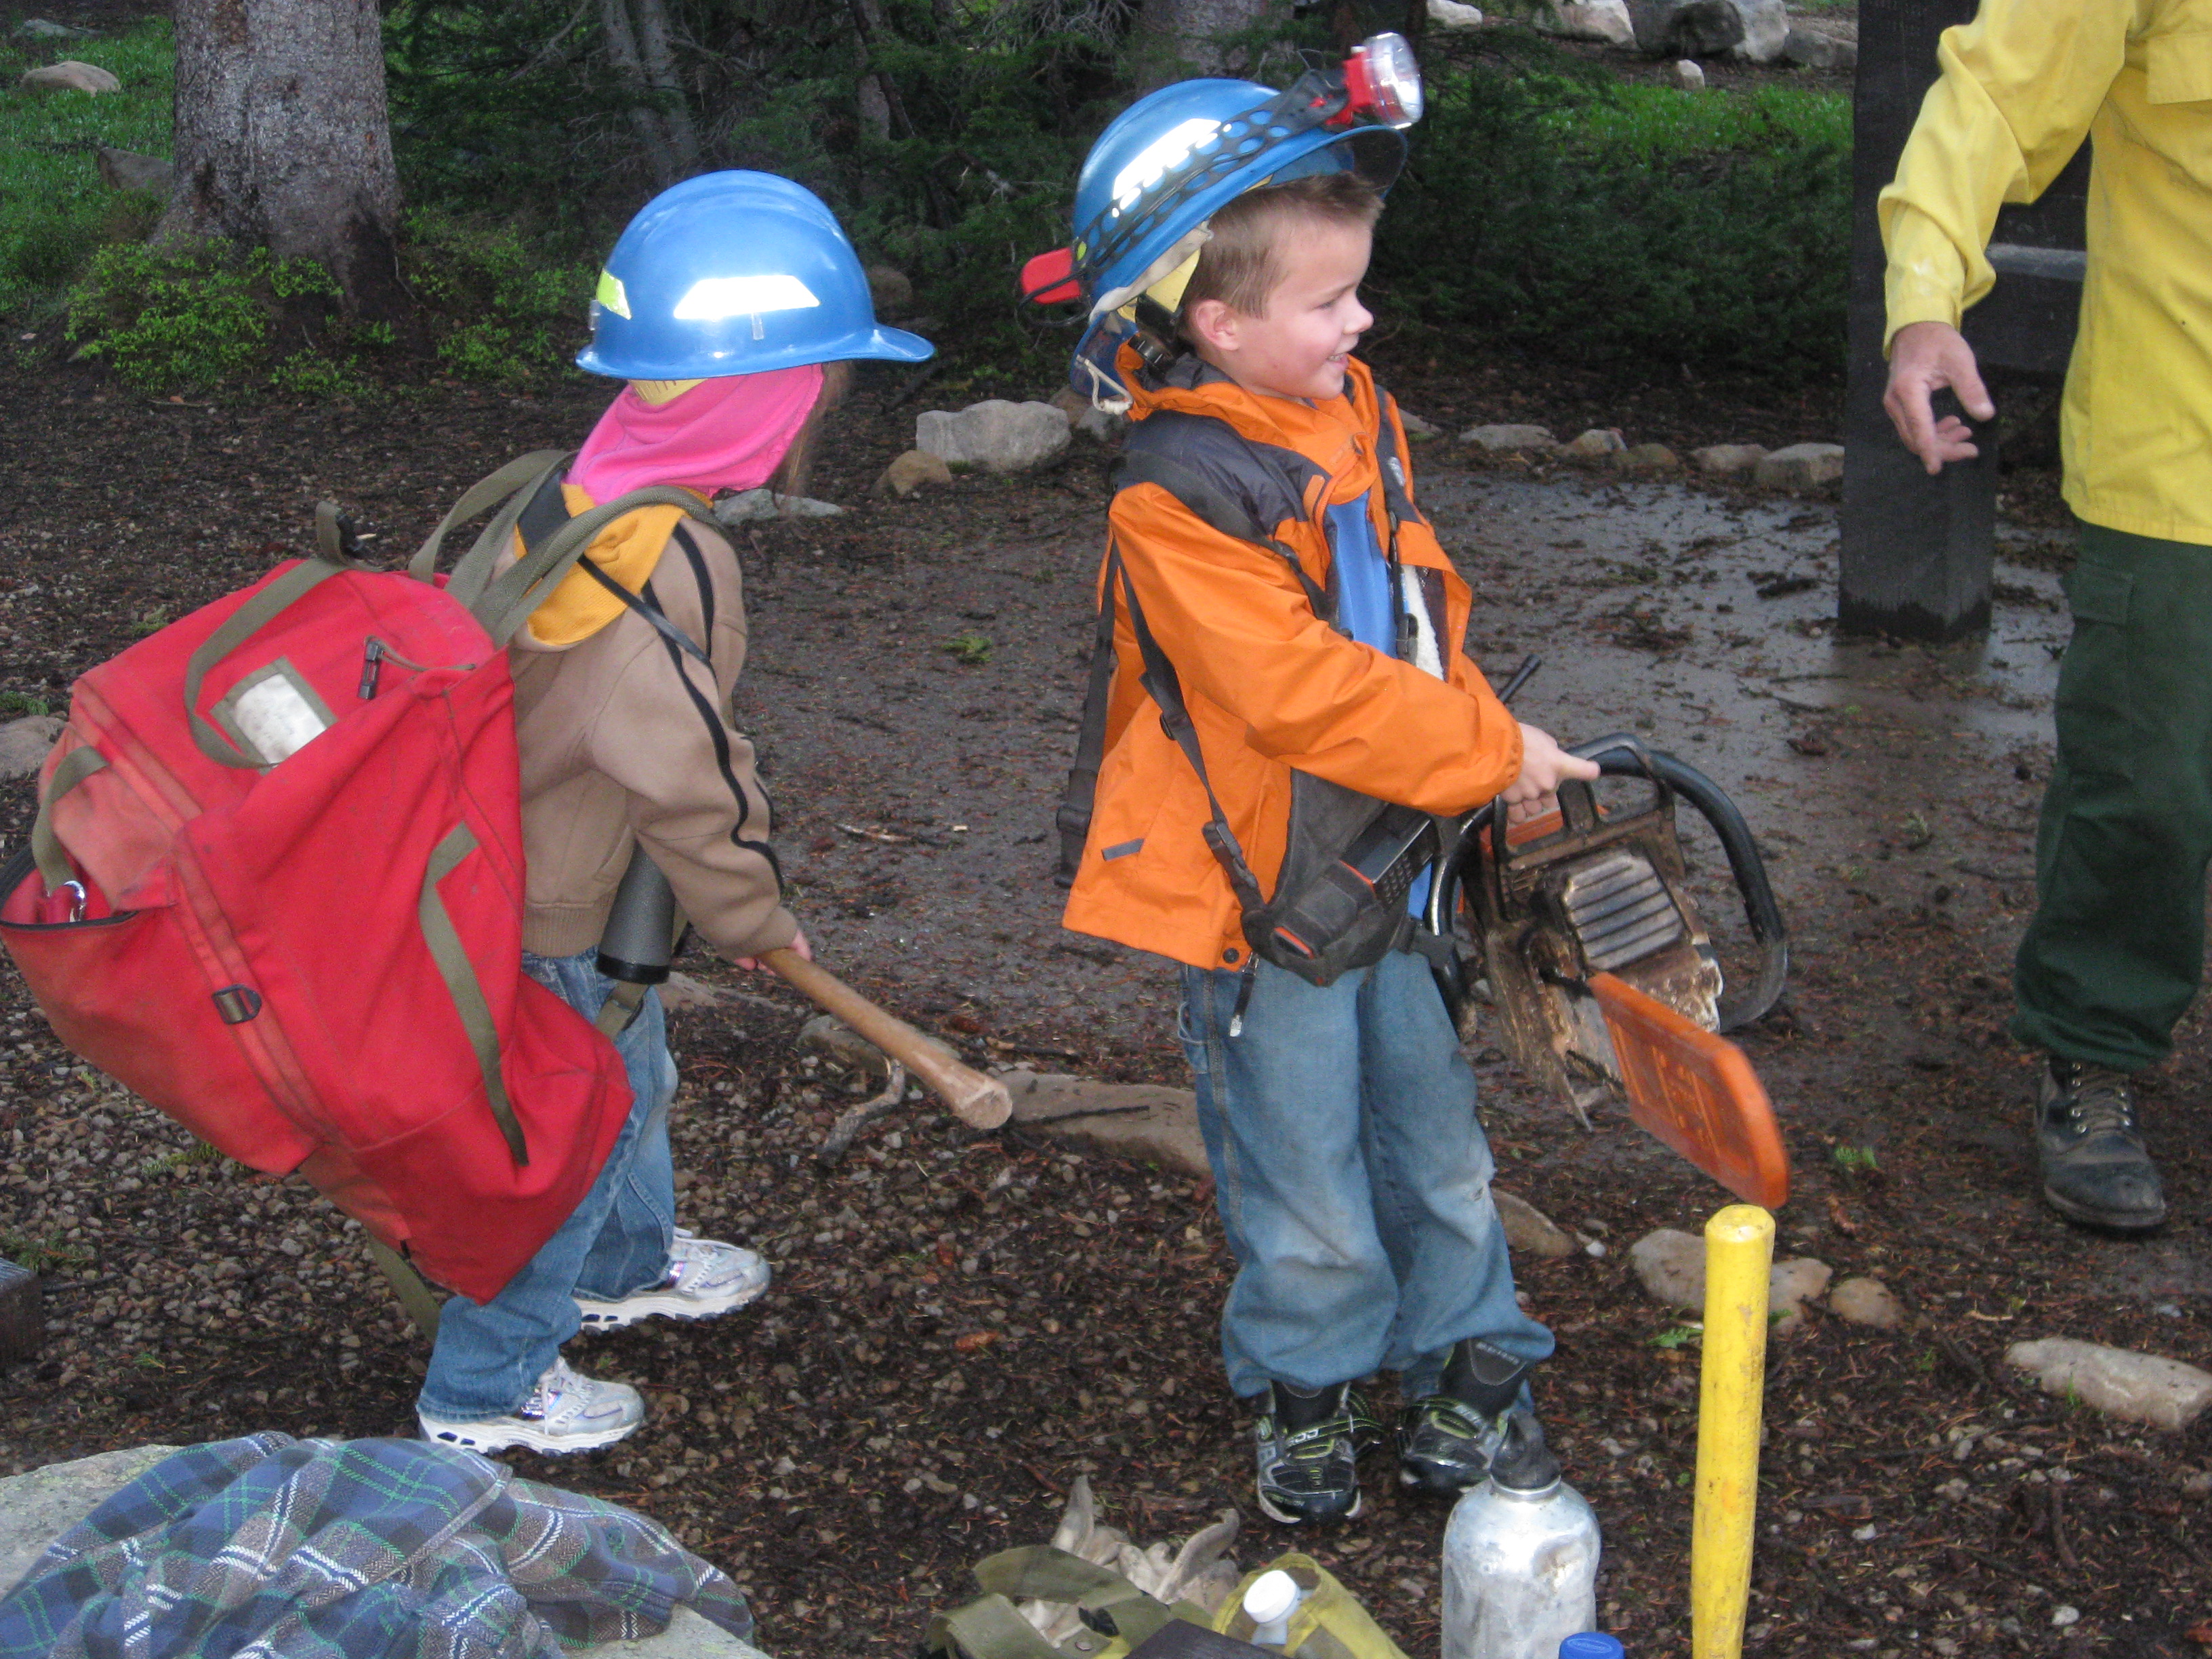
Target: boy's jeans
[(491, 1354), (1352, 1179)]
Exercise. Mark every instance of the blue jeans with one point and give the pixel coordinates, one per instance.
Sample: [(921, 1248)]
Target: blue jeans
[(1352, 1178), (491, 1354)]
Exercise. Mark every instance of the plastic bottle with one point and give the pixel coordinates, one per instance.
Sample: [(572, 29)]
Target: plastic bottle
[(1269, 1603), (1521, 1552), (1592, 1644)]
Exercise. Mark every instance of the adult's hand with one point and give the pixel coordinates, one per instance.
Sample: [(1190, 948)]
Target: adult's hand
[(1924, 358)]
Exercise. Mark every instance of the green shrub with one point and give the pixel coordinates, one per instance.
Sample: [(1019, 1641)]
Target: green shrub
[(54, 210), (1625, 229), (500, 306), (166, 320)]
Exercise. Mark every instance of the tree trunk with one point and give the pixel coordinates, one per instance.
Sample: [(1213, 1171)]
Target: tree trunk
[(283, 139), (654, 46), (1174, 38), (622, 51)]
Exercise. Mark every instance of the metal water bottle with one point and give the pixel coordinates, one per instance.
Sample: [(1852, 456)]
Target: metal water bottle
[(1521, 1551)]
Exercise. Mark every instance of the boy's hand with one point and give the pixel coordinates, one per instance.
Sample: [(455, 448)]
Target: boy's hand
[(1544, 766), (797, 944)]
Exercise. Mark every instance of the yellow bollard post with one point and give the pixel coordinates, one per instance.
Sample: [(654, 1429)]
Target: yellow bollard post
[(1739, 1257)]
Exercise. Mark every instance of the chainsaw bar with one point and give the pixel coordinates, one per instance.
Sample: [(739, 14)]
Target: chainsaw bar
[(1696, 1092)]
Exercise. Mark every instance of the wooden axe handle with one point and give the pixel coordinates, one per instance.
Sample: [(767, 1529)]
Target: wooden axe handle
[(979, 1101)]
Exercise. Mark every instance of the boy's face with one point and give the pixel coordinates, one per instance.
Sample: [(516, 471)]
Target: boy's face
[(1297, 346)]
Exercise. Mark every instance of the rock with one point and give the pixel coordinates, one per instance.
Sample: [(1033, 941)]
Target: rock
[(2141, 1387), (828, 1035), (1809, 49), (23, 1315), (1508, 440), (1598, 441), (37, 1508), (890, 290), (996, 435), (911, 470), (69, 75), (752, 504), (24, 744), (1690, 76), (1451, 15), (1686, 28), (1606, 21), (1801, 466), (1789, 1285), (1671, 1265), (1530, 1230), (1103, 425), (1866, 1302), (124, 169), (1122, 1119), (1416, 427), (1765, 27), (1645, 458), (38, 28), (1728, 460)]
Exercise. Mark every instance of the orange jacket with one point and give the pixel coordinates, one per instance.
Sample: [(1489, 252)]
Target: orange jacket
[(1271, 686)]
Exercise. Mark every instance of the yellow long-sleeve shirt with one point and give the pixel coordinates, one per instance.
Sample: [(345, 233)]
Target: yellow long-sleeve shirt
[(2020, 86)]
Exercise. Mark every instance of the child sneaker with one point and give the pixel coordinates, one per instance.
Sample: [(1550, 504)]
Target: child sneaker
[(1309, 1449), (705, 1278), (565, 1412)]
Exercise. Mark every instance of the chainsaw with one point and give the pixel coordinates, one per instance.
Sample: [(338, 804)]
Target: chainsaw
[(1579, 930)]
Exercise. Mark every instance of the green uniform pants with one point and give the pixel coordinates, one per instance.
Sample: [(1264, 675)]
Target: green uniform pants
[(2116, 949)]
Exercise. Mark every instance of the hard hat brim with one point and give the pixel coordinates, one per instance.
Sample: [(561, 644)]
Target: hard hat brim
[(878, 344)]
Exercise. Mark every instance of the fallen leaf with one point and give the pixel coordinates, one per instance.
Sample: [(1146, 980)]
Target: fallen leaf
[(2201, 1633), (1841, 1216), (974, 1341), (945, 1257)]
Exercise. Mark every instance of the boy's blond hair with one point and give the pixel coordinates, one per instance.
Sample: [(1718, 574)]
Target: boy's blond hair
[(1248, 256)]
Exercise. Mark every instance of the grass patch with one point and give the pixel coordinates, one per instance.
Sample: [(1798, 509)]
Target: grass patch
[(54, 210)]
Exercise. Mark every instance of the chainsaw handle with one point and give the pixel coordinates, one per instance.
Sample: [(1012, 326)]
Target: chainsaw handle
[(1624, 756)]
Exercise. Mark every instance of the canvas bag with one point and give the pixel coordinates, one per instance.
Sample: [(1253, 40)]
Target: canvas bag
[(276, 888)]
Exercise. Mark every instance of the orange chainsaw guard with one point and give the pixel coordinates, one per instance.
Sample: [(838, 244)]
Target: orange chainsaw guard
[(1697, 1092)]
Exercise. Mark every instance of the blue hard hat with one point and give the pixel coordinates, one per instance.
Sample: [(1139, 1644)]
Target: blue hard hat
[(735, 273), (1176, 157)]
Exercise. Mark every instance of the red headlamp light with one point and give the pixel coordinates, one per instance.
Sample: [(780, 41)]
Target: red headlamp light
[(1384, 81)]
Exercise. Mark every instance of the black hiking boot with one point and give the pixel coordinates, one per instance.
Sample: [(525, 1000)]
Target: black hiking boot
[(1446, 1440), (2095, 1167), (1310, 1447)]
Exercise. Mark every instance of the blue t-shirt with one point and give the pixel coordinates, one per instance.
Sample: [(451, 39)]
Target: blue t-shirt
[(1363, 608)]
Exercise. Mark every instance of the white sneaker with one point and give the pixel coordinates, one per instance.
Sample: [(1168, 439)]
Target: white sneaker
[(565, 1412), (705, 1278)]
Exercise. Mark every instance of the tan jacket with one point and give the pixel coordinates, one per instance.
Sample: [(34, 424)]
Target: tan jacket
[(624, 737)]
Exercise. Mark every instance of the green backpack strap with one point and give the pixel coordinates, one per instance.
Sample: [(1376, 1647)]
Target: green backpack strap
[(991, 1627), (1041, 1572)]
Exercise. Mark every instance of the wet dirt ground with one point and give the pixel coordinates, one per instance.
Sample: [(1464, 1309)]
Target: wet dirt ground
[(961, 1326)]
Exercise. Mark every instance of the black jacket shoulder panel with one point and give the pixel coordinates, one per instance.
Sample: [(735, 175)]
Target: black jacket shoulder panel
[(1267, 480)]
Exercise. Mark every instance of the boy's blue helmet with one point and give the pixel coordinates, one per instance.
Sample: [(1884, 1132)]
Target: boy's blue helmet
[(735, 273), (1174, 158)]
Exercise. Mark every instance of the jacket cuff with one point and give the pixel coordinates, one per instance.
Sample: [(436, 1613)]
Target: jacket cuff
[(776, 931)]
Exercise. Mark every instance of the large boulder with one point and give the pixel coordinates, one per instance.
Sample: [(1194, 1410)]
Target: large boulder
[(1687, 28), (124, 169), (24, 744), (1810, 49), (1766, 31), (1606, 21), (1453, 15), (995, 435), (69, 75)]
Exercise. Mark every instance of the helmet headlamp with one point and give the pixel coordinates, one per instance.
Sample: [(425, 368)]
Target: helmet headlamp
[(1384, 80)]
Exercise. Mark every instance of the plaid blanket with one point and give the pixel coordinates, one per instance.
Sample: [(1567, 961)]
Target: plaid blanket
[(362, 1549)]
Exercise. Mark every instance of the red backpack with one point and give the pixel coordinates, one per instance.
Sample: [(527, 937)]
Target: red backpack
[(276, 888)]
